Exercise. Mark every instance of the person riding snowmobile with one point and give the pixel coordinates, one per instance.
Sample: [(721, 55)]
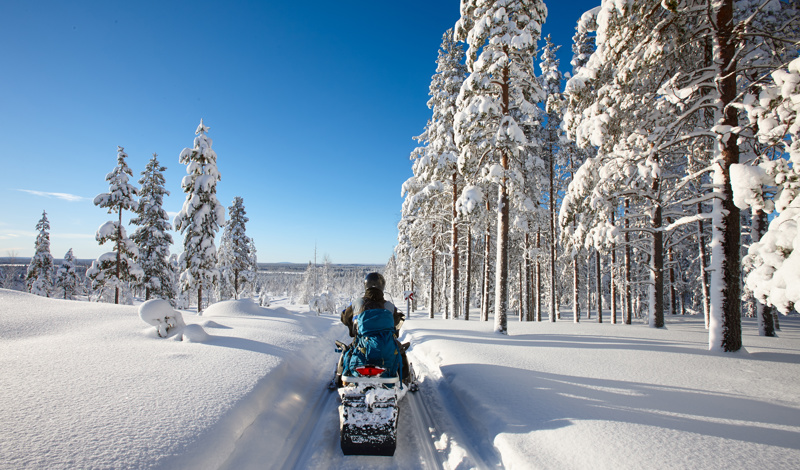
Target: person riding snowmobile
[(374, 284)]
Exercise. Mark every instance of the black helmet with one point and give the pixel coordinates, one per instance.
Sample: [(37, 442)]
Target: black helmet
[(375, 280)]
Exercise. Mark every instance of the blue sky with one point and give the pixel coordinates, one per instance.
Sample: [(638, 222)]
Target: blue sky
[(312, 107)]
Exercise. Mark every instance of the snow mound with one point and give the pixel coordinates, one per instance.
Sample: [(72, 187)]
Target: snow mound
[(159, 313), (278, 311), (194, 334), (234, 308), (213, 324)]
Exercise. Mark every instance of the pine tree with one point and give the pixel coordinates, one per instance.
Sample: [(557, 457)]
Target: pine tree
[(201, 216), (237, 262), (432, 192), (773, 185), (497, 97), (39, 278), (68, 282), (118, 268), (551, 84), (152, 237)]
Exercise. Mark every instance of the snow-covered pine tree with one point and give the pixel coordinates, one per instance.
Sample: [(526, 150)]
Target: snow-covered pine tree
[(500, 89), (118, 268), (39, 277), (773, 261), (68, 282), (747, 40), (200, 217), (430, 195), (551, 85), (237, 264), (153, 237)]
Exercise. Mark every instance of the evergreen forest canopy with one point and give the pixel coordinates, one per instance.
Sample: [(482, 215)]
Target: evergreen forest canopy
[(633, 185)]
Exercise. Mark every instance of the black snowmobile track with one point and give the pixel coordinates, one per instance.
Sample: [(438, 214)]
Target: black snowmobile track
[(368, 429)]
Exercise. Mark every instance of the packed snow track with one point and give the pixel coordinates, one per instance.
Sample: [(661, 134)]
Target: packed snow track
[(298, 427)]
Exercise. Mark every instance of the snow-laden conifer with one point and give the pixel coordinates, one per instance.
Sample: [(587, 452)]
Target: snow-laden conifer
[(200, 217), (117, 269), (237, 261), (39, 277), (431, 194), (152, 235), (773, 262), (68, 281), (496, 99)]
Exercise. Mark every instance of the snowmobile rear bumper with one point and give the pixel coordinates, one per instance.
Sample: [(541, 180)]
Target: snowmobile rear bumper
[(368, 419)]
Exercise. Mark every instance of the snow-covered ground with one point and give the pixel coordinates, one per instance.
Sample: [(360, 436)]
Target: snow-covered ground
[(86, 385)]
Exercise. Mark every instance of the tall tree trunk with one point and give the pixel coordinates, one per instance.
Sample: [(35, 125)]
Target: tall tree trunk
[(657, 269), (553, 312), (236, 284), (673, 294), (528, 280), (119, 257), (200, 299), (414, 298), (599, 287), (468, 280), (501, 274), (628, 293), (704, 280), (725, 330), (487, 274), (521, 304), (538, 278), (613, 278), (454, 253), (765, 313), (576, 303), (589, 285), (433, 275)]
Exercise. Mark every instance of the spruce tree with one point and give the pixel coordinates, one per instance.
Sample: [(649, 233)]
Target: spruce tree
[(152, 235), (200, 217), (68, 282), (39, 278), (117, 269), (237, 261)]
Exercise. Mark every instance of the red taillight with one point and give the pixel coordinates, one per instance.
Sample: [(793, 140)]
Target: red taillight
[(370, 371)]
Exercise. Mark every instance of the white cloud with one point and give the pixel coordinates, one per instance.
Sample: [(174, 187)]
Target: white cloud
[(63, 196)]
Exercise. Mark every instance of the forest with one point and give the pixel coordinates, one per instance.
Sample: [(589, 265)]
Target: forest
[(658, 178)]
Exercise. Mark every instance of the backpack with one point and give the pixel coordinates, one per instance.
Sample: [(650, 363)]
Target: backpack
[(375, 344)]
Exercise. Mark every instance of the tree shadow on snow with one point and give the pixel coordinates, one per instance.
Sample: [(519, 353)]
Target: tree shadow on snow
[(595, 342), (523, 401), (246, 345)]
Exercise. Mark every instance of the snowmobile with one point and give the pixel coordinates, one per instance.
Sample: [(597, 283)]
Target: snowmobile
[(369, 407)]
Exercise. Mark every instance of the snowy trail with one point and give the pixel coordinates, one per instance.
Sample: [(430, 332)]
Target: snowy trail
[(300, 427), (439, 409)]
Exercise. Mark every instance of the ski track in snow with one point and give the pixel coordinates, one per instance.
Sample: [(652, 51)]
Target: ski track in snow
[(439, 408), (306, 414)]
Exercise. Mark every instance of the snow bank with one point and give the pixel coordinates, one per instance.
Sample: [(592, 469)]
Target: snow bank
[(235, 308), (602, 396), (87, 385)]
